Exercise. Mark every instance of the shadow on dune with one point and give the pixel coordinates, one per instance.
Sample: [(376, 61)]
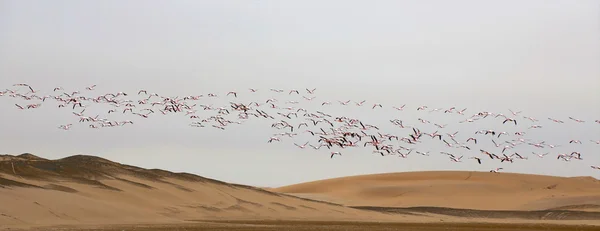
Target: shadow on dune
[(490, 214)]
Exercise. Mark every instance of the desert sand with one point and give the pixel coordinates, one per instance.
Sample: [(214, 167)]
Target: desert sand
[(465, 190), (93, 193)]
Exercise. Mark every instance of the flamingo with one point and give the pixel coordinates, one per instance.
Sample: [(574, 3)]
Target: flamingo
[(540, 155), (316, 147), (497, 170), (556, 120), (402, 154), (335, 153), (510, 120), (454, 159), (400, 108), (576, 120), (461, 111), (301, 146), (476, 158), (273, 139), (440, 126), (65, 127), (514, 113), (422, 153), (473, 139)]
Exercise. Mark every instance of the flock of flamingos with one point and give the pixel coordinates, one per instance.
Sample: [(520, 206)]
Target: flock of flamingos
[(335, 133)]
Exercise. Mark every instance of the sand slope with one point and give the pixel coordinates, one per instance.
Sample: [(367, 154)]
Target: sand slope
[(87, 190), (91, 190), (472, 190)]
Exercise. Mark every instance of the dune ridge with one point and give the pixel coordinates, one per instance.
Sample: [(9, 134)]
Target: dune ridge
[(85, 189)]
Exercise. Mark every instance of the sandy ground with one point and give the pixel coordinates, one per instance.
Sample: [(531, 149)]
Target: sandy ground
[(85, 192), (341, 226)]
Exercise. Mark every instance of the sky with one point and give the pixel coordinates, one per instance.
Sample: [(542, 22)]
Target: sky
[(540, 57)]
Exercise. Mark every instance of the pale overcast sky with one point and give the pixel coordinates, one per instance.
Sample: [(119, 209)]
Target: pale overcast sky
[(541, 57)]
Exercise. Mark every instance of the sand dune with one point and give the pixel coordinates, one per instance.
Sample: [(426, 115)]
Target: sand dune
[(86, 190), (91, 190), (469, 190)]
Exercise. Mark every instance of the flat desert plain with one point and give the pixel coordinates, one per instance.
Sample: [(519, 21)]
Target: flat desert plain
[(90, 193)]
